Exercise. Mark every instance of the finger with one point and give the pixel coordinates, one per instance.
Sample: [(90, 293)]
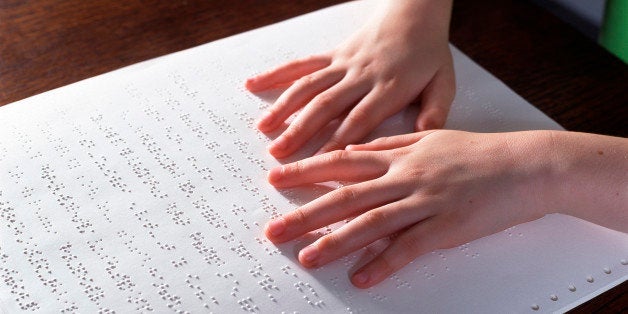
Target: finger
[(333, 166), (323, 108), (436, 100), (391, 142), (363, 118), (297, 95), (339, 204), (365, 229), (419, 239), (287, 73)]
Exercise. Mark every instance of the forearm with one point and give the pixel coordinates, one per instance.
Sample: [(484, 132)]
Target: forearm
[(413, 18), (589, 178)]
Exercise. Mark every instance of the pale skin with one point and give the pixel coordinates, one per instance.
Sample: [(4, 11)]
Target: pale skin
[(400, 55), (431, 189), (440, 189)]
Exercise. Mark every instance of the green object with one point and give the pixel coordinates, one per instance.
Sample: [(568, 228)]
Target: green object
[(614, 32)]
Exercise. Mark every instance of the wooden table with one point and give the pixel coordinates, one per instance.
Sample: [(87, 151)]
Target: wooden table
[(45, 44)]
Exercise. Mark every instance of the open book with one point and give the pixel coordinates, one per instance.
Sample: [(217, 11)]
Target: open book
[(144, 190)]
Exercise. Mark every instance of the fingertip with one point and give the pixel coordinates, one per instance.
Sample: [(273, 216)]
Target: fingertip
[(279, 147), (275, 175), (361, 279), (250, 84), (308, 256), (275, 228), (265, 122), (262, 126)]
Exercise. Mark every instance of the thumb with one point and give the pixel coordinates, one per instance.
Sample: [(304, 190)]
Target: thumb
[(436, 100)]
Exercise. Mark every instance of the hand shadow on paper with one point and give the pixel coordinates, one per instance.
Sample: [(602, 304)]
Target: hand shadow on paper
[(347, 265), (400, 123)]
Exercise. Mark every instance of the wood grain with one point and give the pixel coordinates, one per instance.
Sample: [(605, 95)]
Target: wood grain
[(50, 43)]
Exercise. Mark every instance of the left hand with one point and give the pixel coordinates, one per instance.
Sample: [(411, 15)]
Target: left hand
[(398, 55)]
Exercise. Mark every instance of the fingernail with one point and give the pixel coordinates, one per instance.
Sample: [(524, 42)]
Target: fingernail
[(349, 147), (361, 278), (309, 254), (276, 227), (280, 143)]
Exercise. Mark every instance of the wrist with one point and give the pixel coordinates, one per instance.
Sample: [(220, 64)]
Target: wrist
[(532, 165), (415, 17), (588, 177)]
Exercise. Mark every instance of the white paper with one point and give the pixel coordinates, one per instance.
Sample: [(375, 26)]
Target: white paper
[(144, 190)]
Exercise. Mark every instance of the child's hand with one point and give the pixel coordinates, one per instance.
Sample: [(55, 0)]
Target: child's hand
[(426, 191), (399, 55)]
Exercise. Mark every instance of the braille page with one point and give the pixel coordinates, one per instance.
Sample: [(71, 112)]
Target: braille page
[(144, 190)]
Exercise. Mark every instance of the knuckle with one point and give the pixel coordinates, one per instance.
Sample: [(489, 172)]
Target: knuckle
[(374, 219), (390, 83), (399, 153), (359, 117), (408, 245), (298, 217), (346, 195), (329, 242), (305, 81), (297, 168), (337, 156), (323, 100), (362, 71)]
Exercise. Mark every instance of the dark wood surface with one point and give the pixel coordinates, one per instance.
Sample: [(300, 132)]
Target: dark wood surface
[(45, 44), (570, 78)]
